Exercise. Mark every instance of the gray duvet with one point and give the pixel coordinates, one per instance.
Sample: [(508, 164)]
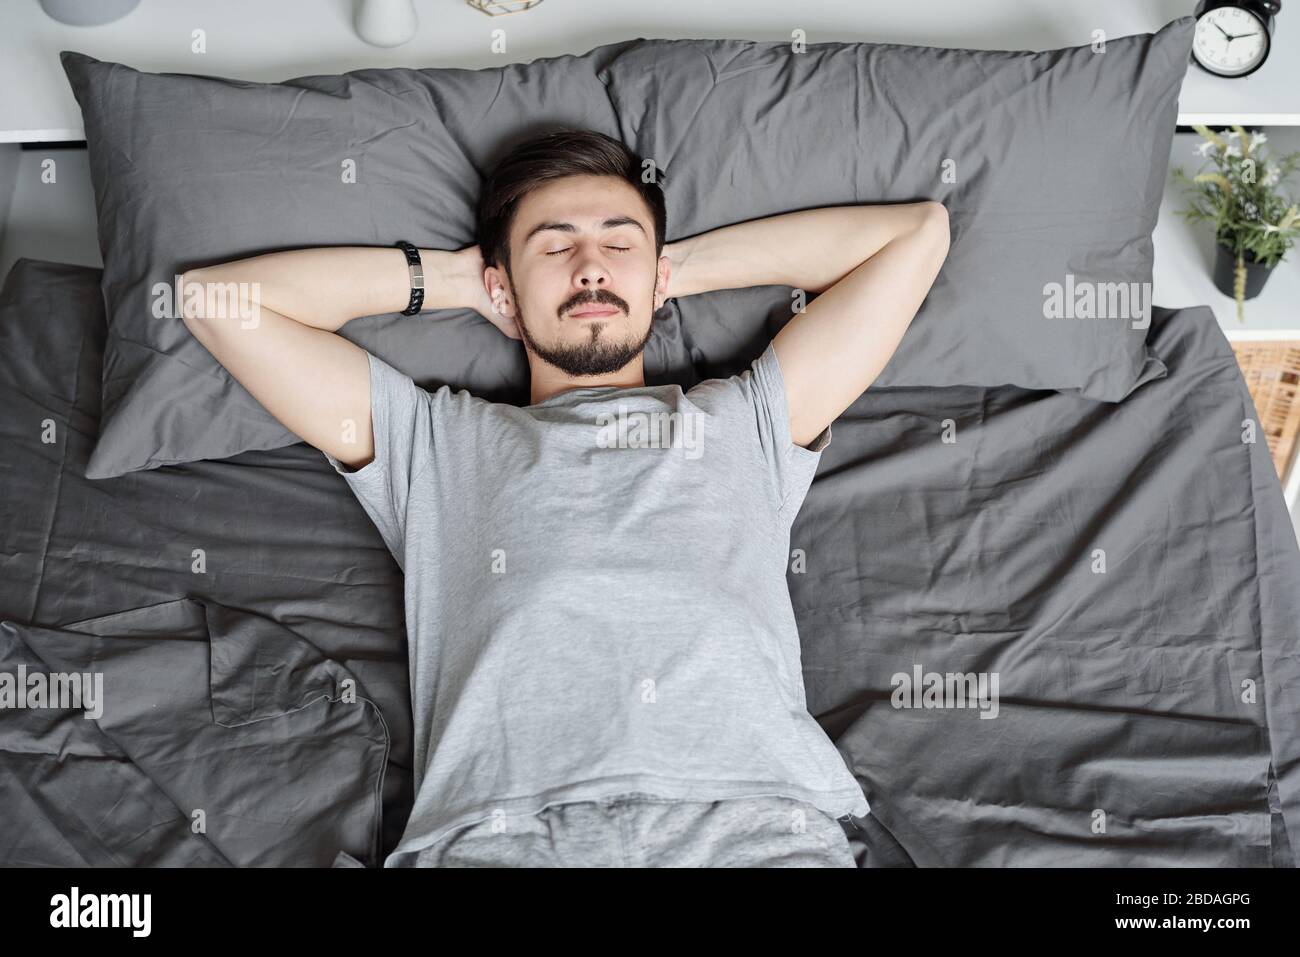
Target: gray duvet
[(1125, 572)]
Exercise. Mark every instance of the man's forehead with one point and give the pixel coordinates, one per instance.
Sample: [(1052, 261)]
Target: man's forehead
[(568, 206), (575, 224)]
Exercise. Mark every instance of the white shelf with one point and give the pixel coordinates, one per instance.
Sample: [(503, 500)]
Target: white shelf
[(257, 40)]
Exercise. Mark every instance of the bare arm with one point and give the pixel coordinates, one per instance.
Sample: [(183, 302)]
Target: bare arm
[(271, 321), (872, 265)]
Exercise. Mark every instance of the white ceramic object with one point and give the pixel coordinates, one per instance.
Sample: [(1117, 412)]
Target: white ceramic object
[(386, 23), (87, 13)]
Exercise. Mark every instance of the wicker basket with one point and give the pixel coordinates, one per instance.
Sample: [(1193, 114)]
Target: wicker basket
[(1272, 371)]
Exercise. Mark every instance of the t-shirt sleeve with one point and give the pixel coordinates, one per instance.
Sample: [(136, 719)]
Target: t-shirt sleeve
[(790, 467), (402, 415)]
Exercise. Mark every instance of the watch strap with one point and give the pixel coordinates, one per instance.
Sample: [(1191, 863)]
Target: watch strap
[(416, 269)]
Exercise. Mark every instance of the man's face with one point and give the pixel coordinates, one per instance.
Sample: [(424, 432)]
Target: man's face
[(584, 282)]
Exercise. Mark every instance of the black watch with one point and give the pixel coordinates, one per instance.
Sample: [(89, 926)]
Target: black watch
[(417, 278)]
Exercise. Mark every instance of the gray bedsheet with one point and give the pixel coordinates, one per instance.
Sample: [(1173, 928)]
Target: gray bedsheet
[(286, 554), (1128, 573)]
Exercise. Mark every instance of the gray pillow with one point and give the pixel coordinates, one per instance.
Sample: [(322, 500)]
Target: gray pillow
[(1055, 163), (1059, 161)]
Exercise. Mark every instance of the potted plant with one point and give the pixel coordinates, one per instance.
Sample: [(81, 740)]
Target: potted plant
[(1254, 225)]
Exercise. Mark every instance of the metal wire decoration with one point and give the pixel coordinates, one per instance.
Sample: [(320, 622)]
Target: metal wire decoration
[(498, 8)]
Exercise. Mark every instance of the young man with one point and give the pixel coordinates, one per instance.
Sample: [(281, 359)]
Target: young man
[(605, 665)]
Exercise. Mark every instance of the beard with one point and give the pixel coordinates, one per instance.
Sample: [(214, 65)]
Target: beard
[(594, 356)]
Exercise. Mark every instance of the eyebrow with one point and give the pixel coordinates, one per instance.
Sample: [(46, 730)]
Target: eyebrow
[(610, 223)]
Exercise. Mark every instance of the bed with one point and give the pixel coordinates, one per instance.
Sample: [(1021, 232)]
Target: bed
[(1075, 520), (1146, 713)]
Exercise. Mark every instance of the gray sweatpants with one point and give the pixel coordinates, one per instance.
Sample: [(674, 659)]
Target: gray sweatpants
[(637, 830)]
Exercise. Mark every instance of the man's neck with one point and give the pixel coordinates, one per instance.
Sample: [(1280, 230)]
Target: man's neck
[(548, 381)]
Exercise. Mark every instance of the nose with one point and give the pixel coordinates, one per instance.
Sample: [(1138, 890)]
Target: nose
[(592, 274)]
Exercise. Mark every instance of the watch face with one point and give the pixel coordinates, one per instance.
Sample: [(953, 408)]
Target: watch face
[(1230, 41)]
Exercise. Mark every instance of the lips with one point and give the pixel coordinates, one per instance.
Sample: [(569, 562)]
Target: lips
[(593, 311)]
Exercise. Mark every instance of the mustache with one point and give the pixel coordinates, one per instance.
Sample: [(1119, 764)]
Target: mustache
[(597, 297)]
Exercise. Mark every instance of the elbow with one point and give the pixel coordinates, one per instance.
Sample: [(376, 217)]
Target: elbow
[(206, 297), (936, 217), (935, 225), (190, 295)]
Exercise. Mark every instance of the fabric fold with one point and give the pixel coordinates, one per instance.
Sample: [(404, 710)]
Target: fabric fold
[(268, 753)]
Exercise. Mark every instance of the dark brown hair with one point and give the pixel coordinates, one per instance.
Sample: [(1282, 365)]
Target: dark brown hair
[(545, 158)]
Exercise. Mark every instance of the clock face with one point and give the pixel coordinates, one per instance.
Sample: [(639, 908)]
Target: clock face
[(1230, 41)]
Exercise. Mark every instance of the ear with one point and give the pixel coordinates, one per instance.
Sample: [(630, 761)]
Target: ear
[(502, 305), (499, 294), (661, 283)]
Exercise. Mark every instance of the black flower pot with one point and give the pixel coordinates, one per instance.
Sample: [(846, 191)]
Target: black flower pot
[(1225, 262)]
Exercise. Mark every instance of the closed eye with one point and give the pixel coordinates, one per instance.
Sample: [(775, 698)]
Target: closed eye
[(620, 249)]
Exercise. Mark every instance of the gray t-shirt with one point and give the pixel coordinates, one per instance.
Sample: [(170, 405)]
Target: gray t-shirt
[(596, 596)]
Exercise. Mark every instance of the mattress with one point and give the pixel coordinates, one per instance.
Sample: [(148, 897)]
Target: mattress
[(1119, 580)]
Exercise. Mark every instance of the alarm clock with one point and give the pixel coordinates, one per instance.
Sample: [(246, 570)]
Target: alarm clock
[(1233, 37)]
